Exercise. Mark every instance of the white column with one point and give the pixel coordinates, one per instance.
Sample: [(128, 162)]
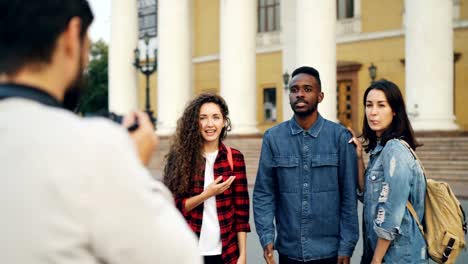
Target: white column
[(174, 62), (316, 47), (288, 32), (429, 64), (237, 63), (122, 74)]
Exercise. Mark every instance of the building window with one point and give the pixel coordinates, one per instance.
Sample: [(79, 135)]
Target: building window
[(268, 15), (269, 104), (344, 9), (147, 18)]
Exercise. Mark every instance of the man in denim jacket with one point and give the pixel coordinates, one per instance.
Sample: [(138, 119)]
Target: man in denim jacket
[(306, 183)]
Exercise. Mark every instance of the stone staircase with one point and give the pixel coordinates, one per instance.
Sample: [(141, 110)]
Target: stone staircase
[(444, 158)]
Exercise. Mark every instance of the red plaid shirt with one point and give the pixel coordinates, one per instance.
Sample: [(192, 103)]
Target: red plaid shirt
[(232, 206)]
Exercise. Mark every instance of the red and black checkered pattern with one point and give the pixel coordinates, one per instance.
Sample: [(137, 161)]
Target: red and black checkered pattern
[(232, 205)]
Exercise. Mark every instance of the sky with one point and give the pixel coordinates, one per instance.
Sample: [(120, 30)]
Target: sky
[(100, 29)]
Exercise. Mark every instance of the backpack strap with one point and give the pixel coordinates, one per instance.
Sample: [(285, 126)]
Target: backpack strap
[(229, 157), (464, 219), (408, 203), (414, 154), (415, 216), (415, 157), (448, 249)]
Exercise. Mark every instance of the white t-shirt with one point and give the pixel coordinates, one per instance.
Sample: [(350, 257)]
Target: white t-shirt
[(210, 234)]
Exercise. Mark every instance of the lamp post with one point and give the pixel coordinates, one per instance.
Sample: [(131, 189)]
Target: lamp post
[(147, 69), (372, 72), (286, 79)]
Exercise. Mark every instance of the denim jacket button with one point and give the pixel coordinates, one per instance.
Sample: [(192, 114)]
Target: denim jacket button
[(373, 177), (306, 167)]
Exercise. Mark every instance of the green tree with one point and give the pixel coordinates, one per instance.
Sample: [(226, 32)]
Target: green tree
[(95, 99)]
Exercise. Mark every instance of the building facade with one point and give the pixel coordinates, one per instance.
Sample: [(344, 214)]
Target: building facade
[(242, 49)]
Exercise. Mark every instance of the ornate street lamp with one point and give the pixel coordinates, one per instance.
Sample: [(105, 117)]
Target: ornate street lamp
[(147, 69), (372, 72), (286, 80)]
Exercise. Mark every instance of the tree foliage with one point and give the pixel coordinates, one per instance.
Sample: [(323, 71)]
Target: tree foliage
[(95, 99)]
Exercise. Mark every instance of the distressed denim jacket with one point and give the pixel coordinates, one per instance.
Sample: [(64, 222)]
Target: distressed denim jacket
[(305, 185), (392, 177)]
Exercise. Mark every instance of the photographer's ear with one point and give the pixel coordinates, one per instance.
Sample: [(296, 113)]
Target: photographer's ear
[(70, 40)]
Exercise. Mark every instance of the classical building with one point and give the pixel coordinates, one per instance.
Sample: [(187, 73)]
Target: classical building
[(241, 49)]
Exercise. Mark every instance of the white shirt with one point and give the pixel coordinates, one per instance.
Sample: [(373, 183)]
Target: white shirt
[(73, 191), (210, 234)]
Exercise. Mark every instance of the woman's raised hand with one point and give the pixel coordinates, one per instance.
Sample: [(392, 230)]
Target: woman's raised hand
[(217, 187), (360, 161), (357, 142)]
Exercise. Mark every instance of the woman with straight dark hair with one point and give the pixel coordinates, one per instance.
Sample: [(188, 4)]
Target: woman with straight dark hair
[(393, 177), (209, 182)]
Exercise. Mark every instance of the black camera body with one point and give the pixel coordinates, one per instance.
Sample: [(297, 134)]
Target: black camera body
[(115, 117), (119, 119)]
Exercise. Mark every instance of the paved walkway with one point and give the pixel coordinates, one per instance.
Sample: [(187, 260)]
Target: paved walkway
[(255, 253)]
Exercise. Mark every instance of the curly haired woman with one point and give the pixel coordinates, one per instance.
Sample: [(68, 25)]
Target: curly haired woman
[(211, 196)]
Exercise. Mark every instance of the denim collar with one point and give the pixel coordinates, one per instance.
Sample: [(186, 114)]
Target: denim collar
[(378, 148), (314, 130)]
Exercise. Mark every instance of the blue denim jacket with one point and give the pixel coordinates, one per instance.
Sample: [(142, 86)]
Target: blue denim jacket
[(393, 175), (306, 184)]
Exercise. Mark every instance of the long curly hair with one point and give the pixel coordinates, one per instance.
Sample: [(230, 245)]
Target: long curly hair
[(185, 158)]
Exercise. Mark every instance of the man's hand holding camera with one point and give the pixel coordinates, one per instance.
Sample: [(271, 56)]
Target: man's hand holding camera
[(143, 135)]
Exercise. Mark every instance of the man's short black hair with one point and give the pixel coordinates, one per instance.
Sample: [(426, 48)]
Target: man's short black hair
[(29, 29), (310, 71)]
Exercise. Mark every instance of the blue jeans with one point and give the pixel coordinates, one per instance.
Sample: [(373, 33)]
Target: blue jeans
[(285, 260)]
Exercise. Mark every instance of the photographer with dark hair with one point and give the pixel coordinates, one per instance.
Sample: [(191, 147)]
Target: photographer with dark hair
[(73, 190)]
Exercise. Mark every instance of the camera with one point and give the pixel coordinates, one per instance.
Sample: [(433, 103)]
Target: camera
[(119, 119), (115, 117)]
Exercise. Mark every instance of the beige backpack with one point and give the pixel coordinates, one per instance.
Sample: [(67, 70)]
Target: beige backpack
[(444, 220)]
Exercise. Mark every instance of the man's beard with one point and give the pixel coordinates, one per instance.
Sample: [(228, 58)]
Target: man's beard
[(312, 107), (75, 90)]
